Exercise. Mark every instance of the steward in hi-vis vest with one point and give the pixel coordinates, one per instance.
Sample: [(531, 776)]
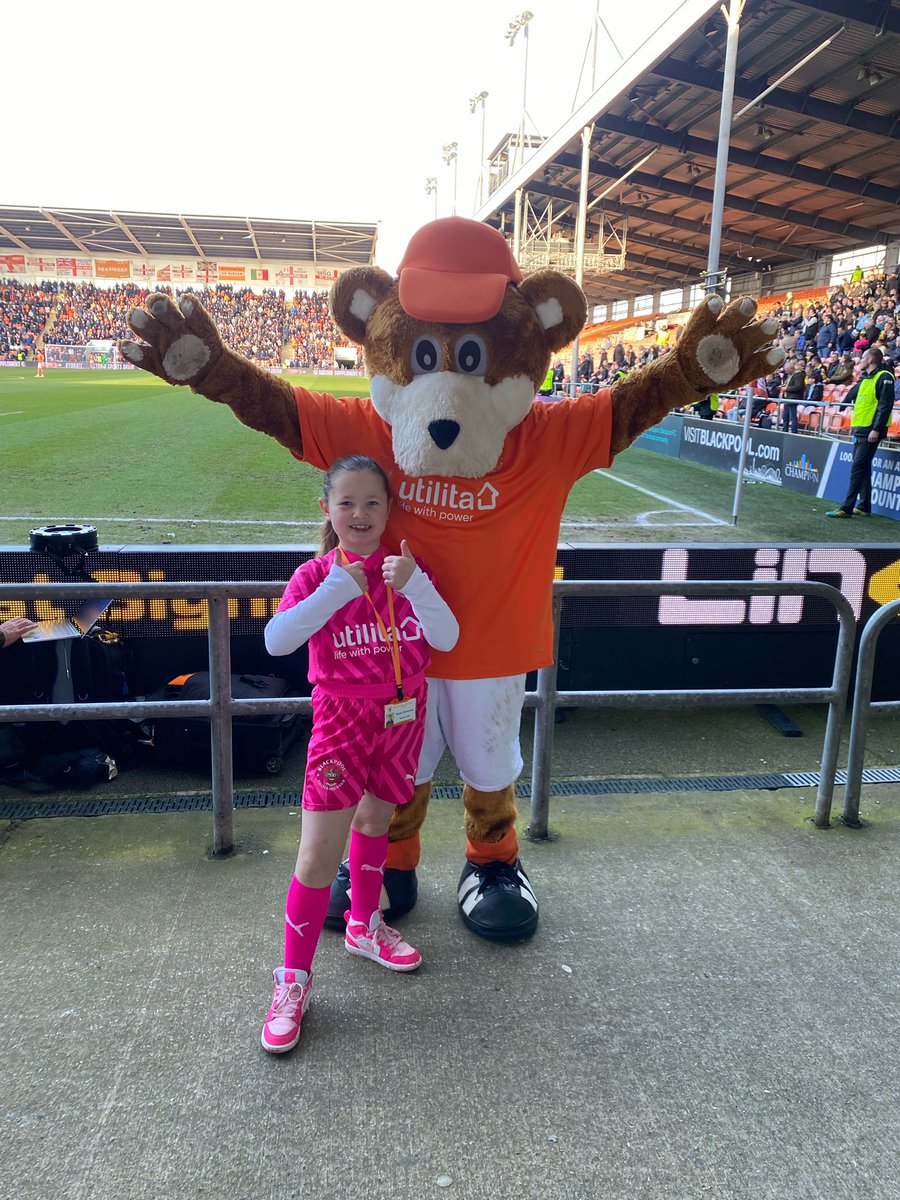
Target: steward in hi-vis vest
[(707, 408), (873, 402), (867, 408)]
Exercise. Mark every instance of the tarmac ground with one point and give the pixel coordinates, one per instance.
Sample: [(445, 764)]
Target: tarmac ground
[(709, 1007)]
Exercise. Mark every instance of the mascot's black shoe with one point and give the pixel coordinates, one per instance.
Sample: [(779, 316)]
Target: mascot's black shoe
[(497, 902), (402, 889)]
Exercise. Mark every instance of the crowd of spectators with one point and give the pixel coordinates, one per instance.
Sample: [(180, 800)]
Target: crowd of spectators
[(24, 309), (269, 327), (251, 323), (845, 322), (599, 366), (312, 334), (86, 313), (824, 339)]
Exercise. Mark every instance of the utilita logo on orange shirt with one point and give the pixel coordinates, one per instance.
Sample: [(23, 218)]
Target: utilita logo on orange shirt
[(438, 498)]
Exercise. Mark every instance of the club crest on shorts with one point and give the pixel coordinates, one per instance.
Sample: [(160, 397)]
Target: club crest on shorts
[(331, 773)]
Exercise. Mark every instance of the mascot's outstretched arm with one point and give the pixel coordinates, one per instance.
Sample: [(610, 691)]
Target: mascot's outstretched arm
[(721, 348), (183, 346)]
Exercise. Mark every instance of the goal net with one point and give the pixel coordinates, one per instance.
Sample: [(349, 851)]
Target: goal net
[(97, 355)]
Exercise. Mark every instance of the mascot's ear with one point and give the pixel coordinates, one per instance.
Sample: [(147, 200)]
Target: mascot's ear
[(559, 304), (354, 297)]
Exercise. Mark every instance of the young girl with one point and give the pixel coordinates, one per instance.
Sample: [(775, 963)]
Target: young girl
[(369, 618)]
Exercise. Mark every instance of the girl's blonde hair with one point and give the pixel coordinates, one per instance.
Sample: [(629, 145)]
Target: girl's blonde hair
[(328, 539)]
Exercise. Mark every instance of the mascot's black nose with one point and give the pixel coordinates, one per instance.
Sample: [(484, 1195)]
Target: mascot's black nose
[(443, 433)]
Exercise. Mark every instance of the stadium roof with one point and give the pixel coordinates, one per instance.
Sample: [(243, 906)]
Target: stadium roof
[(100, 231), (814, 163)]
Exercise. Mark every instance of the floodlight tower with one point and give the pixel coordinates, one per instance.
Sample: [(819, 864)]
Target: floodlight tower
[(474, 101), (521, 22), (450, 159), (431, 190)]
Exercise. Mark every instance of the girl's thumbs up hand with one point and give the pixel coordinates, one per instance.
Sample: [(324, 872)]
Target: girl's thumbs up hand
[(397, 568)]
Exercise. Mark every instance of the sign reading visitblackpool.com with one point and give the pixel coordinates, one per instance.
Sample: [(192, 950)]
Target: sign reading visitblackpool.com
[(815, 466)]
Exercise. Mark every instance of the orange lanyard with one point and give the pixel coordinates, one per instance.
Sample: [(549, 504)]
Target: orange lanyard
[(390, 636)]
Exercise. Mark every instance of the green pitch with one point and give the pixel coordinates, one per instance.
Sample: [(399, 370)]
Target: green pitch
[(148, 464)]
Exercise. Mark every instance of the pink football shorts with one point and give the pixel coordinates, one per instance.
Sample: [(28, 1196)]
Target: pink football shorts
[(351, 752)]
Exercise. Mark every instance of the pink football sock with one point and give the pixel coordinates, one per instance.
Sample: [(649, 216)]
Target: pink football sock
[(304, 916), (367, 858)]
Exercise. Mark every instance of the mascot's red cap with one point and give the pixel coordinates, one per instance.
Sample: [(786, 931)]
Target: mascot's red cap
[(456, 271)]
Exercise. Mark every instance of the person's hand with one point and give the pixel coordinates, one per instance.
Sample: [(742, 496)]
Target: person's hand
[(874, 435), (358, 573), (397, 568), (15, 628)]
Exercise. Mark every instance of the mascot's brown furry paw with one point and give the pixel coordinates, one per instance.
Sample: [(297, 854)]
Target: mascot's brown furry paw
[(457, 346)]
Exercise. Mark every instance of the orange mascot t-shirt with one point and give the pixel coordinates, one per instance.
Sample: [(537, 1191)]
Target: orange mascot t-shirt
[(491, 542)]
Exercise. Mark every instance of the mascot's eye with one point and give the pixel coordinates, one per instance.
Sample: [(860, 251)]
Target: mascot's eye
[(471, 355), (426, 355)]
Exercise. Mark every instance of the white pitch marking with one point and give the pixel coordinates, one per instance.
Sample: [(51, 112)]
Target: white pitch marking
[(179, 521), (224, 523), (638, 520), (665, 499), (673, 521), (15, 412), (641, 519)]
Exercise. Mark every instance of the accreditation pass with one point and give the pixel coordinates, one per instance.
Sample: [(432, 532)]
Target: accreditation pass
[(401, 712)]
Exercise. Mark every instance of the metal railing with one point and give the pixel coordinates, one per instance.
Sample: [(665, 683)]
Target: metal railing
[(221, 706), (547, 699), (863, 705)]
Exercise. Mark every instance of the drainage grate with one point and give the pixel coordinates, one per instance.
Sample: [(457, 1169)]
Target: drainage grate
[(26, 810)]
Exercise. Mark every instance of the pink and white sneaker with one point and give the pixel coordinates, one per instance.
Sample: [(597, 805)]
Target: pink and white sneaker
[(281, 1031), (380, 943)]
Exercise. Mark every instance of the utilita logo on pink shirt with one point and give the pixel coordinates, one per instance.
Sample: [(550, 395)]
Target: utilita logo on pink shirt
[(371, 636)]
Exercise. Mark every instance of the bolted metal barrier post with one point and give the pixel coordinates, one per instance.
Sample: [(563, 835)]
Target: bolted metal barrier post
[(862, 708), (544, 724), (220, 724), (840, 683)]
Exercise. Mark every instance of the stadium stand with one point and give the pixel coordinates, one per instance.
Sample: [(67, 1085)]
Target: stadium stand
[(824, 330), (268, 327), (24, 311), (85, 313), (312, 334)]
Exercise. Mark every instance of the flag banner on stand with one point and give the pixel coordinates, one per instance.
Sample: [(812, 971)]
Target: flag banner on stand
[(12, 264), (293, 276), (259, 275), (36, 265), (112, 268), (76, 267), (207, 272), (232, 274), (325, 278)]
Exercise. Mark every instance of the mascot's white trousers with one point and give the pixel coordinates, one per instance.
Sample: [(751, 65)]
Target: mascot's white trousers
[(478, 719)]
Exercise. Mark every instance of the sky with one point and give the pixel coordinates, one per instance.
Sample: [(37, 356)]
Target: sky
[(325, 111)]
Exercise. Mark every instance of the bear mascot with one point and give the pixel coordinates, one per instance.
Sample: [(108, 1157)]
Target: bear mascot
[(457, 346)]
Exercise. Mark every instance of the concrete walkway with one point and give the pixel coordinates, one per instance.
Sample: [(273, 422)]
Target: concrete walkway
[(710, 1008)]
